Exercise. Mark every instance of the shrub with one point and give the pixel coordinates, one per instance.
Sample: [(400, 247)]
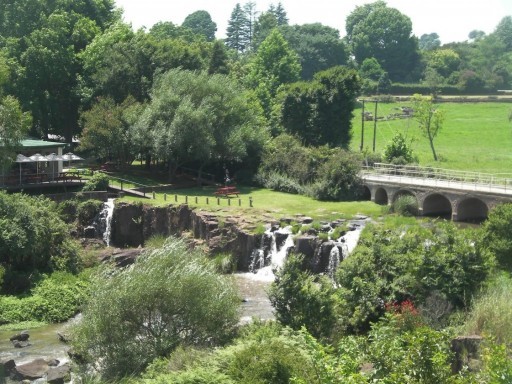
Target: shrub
[(98, 182), (302, 299), (88, 210), (33, 236), (491, 312), (279, 182), (406, 205), (55, 298), (338, 178), (172, 296), (497, 236), (398, 151), (68, 210)]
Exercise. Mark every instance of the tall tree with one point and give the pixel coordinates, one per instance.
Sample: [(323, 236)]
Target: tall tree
[(375, 30), (320, 112), (274, 64), (200, 118), (14, 126), (280, 14), (429, 118), (219, 59), (201, 22), (319, 47), (250, 19), (236, 36)]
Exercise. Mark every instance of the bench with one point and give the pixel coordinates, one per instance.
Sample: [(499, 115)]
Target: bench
[(227, 191)]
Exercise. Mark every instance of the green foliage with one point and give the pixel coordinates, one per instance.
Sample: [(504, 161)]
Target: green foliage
[(384, 33), (68, 210), (171, 297), (338, 177), (87, 211), (497, 235), (279, 182), (14, 125), (399, 151), (33, 236), (98, 182), (491, 311), (393, 265), (497, 367), (416, 355), (320, 111), (55, 298), (225, 263), (406, 205), (429, 118), (301, 299), (200, 22)]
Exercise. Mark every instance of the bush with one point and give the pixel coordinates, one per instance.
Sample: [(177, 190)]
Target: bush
[(338, 178), (55, 298), (172, 296), (406, 205), (98, 182), (302, 299), (68, 210), (88, 210), (398, 151), (408, 263), (33, 236), (279, 182), (491, 312), (498, 236)]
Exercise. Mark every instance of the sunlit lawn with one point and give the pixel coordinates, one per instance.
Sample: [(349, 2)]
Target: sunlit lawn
[(265, 203), (474, 136)]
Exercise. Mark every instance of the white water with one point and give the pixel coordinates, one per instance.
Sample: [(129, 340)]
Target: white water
[(106, 215), (277, 257)]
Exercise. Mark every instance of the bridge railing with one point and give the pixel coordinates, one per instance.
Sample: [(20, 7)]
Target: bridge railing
[(502, 181)]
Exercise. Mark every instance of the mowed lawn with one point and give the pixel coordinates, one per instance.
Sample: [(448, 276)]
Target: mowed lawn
[(474, 136)]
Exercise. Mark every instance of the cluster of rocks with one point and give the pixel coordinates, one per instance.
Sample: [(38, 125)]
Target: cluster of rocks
[(37, 370)]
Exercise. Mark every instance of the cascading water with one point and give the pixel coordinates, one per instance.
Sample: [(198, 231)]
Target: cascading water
[(271, 254), (104, 220)]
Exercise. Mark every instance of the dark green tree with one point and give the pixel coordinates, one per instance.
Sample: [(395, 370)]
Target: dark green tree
[(319, 47), (219, 60), (280, 14), (236, 33), (201, 22), (497, 237), (14, 126), (504, 32), (375, 30), (273, 65)]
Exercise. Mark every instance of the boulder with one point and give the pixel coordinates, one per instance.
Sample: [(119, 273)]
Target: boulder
[(305, 220), (20, 344), (59, 375), (6, 368), (32, 370), (90, 232), (466, 350), (22, 336)]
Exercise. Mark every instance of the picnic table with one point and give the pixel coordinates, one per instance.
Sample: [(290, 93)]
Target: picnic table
[(227, 191), (68, 176)]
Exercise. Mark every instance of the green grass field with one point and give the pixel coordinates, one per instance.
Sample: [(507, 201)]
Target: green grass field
[(474, 137)]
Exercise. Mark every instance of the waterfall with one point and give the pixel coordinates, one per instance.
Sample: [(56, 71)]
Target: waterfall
[(271, 255), (104, 220)]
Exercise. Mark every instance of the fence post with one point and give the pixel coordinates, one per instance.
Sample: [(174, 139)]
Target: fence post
[(165, 196), (218, 201), (176, 198), (154, 195), (239, 202), (229, 201), (186, 199), (196, 200), (250, 201), (207, 200)]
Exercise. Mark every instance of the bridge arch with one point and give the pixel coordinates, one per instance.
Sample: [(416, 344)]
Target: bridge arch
[(472, 209), (366, 193), (437, 205), (403, 192), (381, 196)]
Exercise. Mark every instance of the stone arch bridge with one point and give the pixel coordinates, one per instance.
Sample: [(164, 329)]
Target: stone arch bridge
[(460, 196)]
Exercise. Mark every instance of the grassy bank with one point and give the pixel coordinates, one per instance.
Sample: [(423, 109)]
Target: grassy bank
[(474, 136), (265, 204)]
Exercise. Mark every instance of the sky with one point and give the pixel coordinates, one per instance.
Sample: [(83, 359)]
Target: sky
[(452, 20)]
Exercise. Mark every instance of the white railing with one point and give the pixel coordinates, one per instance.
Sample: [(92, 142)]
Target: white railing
[(430, 176)]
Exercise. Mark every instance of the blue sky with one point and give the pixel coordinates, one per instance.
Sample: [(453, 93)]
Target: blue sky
[(452, 20)]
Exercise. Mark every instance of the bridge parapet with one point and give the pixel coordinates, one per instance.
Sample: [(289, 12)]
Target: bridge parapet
[(456, 194)]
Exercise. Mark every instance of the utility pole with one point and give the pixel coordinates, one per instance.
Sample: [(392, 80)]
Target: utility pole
[(362, 129), (375, 124)]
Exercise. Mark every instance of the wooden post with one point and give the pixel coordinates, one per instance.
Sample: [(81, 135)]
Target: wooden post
[(250, 201), (165, 196), (362, 129), (196, 200), (218, 201), (186, 199), (239, 202), (154, 195), (207, 201), (229, 201), (176, 198)]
